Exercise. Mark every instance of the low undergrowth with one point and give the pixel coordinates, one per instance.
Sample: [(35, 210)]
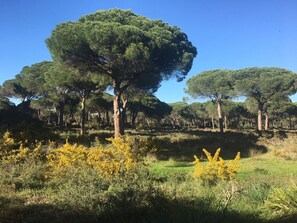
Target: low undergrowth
[(113, 183)]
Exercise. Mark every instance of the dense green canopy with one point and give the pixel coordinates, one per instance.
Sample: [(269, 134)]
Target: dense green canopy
[(123, 45), (28, 84), (216, 85), (265, 86), (130, 49)]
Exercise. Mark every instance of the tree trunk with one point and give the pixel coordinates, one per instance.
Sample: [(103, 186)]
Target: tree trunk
[(123, 114), (118, 129), (259, 119), (83, 116), (220, 118), (61, 116), (225, 122), (266, 121), (133, 118), (212, 122)]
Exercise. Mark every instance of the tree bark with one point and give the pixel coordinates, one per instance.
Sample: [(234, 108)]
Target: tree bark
[(61, 116), (117, 116), (220, 117), (123, 114), (133, 118), (212, 122), (260, 119), (266, 121), (225, 122), (83, 116)]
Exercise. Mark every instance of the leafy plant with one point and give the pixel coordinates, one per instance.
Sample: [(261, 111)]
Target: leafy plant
[(282, 201)]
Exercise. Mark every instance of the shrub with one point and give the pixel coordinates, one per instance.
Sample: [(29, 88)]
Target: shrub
[(22, 167), (123, 155), (6, 143), (216, 168), (282, 201)]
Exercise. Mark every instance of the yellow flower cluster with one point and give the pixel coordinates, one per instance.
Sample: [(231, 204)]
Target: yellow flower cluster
[(5, 142), (22, 154), (116, 159), (216, 168)]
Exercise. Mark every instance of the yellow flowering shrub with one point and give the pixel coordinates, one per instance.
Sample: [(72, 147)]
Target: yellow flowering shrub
[(68, 156), (6, 142), (118, 158), (216, 168), (22, 154)]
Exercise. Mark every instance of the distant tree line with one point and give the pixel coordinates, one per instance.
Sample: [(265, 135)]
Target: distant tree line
[(49, 93), (266, 90)]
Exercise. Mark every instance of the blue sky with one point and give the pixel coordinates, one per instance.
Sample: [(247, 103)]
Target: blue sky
[(229, 34)]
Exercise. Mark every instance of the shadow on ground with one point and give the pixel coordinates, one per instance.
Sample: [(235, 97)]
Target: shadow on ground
[(160, 210), (182, 146)]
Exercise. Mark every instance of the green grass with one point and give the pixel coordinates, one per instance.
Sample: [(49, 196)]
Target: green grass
[(260, 169)]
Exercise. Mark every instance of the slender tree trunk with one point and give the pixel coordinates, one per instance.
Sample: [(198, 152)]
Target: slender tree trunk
[(225, 122), (123, 114), (83, 116), (266, 121), (260, 119), (133, 118), (118, 128), (212, 122), (116, 116), (61, 116), (220, 117), (107, 118)]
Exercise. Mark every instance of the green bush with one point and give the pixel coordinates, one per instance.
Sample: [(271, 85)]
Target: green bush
[(283, 201)]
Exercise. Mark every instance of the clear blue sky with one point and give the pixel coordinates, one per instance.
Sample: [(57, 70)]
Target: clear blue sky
[(230, 34)]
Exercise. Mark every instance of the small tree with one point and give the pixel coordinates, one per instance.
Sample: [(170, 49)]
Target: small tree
[(216, 85), (264, 85)]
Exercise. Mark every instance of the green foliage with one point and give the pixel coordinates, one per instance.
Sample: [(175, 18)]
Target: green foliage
[(28, 84), (282, 201), (266, 86), (217, 85), (128, 50), (257, 192), (135, 41), (264, 83), (142, 194), (22, 167), (214, 84)]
